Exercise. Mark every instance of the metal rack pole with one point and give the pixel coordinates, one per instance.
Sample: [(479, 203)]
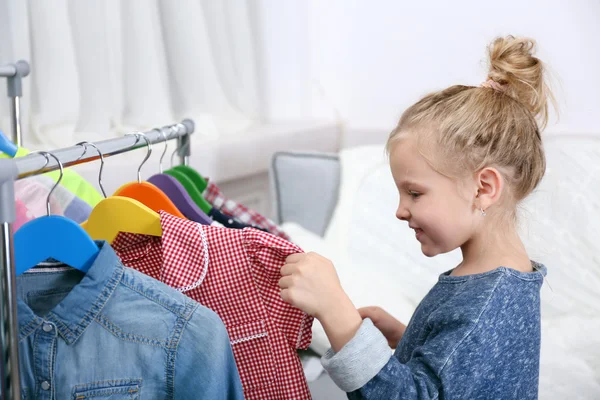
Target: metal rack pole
[(35, 164), (10, 384), (14, 74), (183, 149)]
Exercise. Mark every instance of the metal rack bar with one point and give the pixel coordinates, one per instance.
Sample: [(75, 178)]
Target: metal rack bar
[(36, 164)]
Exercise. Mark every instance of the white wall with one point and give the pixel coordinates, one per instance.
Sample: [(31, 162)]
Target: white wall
[(369, 60), (283, 47)]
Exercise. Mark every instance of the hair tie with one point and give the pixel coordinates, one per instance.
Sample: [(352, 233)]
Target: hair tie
[(492, 84)]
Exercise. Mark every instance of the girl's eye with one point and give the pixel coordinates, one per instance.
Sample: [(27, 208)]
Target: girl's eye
[(414, 195)]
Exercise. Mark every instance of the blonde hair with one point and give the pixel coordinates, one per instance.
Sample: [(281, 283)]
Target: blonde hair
[(463, 129)]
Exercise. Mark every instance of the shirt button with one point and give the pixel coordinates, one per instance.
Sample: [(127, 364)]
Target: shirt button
[(47, 327), (45, 385)]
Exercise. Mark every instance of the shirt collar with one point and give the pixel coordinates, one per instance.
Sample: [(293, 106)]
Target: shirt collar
[(183, 250), (83, 303)]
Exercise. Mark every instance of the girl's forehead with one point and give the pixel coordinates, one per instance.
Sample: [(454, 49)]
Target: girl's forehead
[(405, 156), (408, 164)]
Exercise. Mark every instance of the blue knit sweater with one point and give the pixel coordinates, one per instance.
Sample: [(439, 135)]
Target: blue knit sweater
[(472, 337)]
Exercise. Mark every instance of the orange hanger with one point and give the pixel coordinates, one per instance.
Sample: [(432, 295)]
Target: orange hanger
[(145, 192), (150, 196)]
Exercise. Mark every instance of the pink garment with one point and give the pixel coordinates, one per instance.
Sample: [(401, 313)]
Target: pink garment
[(23, 215), (34, 195)]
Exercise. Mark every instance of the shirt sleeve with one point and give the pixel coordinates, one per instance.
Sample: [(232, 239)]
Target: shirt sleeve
[(360, 360), (267, 254), (204, 365)]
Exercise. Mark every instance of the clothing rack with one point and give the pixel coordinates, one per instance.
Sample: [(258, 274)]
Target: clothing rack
[(14, 74), (36, 164)]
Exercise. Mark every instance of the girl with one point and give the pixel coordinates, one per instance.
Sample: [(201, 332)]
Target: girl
[(462, 159)]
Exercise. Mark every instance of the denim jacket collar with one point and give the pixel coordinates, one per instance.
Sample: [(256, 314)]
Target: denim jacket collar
[(83, 303)]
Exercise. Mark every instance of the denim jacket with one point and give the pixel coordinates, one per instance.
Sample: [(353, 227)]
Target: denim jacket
[(114, 333)]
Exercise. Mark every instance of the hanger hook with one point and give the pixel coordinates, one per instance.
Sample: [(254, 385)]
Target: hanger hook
[(175, 129), (47, 155), (137, 136), (85, 145), (164, 135)]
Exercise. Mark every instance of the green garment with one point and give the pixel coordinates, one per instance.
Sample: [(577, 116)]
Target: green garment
[(71, 181)]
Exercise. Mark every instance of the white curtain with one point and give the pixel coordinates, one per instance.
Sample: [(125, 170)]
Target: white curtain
[(103, 67)]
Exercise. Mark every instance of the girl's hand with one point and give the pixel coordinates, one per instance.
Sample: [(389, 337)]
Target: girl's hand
[(311, 284), (392, 329)]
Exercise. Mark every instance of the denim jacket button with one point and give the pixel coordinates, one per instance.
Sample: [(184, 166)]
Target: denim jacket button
[(47, 328), (45, 385)]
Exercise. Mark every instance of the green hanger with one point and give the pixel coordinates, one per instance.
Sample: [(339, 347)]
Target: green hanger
[(191, 188), (194, 176)]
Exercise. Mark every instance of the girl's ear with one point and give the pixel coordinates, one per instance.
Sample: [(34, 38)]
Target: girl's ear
[(490, 184)]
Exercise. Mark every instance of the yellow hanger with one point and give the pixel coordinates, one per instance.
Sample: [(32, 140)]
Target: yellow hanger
[(119, 214)]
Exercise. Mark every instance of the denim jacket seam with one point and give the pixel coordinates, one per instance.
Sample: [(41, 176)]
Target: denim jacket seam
[(475, 325), (50, 360), (95, 309), (120, 334), (36, 362), (124, 381), (63, 329), (173, 348), (158, 301), (28, 329)]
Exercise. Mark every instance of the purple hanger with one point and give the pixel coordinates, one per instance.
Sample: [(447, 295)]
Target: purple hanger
[(180, 197)]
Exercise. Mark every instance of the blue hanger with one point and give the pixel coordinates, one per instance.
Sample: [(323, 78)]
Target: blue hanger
[(54, 237), (6, 146)]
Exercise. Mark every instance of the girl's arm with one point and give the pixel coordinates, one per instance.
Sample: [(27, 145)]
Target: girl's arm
[(392, 329), (310, 283), (484, 345), (360, 360)]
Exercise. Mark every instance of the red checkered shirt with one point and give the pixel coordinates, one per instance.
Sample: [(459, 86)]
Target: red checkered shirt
[(234, 273), (244, 214)]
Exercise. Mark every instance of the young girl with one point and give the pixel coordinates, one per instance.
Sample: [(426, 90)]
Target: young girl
[(462, 159)]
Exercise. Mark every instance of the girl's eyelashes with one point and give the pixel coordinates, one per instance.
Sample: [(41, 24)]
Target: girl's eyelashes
[(413, 194)]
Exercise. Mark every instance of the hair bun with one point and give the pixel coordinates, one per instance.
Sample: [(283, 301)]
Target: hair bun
[(513, 65)]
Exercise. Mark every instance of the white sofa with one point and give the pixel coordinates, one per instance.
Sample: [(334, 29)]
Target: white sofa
[(342, 205)]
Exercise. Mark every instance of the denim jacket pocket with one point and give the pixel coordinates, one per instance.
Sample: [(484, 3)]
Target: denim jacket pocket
[(253, 354), (122, 389)]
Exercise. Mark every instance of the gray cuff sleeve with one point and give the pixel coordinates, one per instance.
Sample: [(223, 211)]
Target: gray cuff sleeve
[(359, 360)]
